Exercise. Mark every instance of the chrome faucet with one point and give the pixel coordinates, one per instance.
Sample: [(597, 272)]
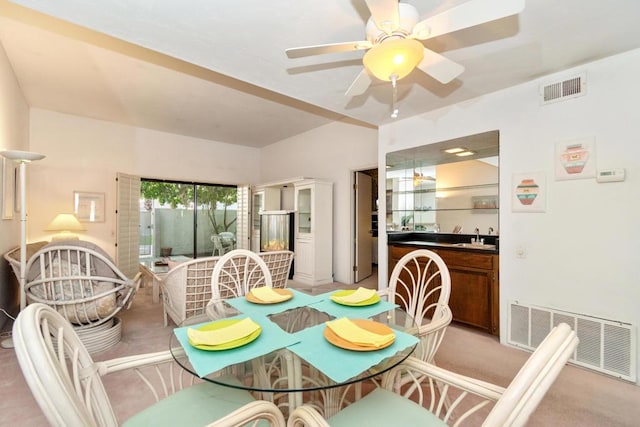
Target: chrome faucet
[(477, 231), (490, 230)]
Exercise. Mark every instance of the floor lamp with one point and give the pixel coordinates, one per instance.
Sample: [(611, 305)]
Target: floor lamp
[(22, 158)]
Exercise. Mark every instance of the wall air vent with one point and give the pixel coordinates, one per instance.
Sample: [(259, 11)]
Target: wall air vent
[(605, 346), (567, 89)]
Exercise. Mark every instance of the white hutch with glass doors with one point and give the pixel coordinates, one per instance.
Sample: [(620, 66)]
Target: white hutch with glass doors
[(314, 232)]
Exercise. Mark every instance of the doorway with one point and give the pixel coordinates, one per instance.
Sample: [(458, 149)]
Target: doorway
[(365, 240)]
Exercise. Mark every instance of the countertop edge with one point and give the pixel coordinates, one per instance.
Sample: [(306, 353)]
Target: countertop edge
[(444, 245)]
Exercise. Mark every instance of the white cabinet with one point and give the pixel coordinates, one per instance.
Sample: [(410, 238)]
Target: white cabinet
[(314, 232), (264, 199)]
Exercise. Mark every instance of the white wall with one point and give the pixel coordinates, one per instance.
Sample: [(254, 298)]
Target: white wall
[(85, 154), (582, 253), (330, 153), (14, 135)]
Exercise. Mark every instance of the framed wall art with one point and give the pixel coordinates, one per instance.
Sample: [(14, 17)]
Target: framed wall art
[(88, 207), (575, 159), (529, 192)]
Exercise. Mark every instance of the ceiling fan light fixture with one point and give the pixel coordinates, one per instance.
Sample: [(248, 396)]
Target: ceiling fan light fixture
[(421, 32), (396, 57)]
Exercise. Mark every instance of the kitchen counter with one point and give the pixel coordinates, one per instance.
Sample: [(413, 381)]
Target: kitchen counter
[(457, 242), (474, 272)]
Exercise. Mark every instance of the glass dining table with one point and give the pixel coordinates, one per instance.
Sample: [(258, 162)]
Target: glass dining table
[(294, 359)]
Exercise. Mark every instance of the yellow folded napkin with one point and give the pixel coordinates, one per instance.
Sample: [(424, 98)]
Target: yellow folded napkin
[(233, 332), (361, 294), (267, 294), (353, 333)]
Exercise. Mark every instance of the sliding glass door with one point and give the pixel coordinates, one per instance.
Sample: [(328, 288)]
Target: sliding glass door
[(182, 218)]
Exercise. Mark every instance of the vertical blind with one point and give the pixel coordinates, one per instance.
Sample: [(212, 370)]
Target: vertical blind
[(242, 221), (128, 223)]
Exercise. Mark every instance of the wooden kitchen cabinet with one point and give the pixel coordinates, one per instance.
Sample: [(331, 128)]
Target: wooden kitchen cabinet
[(475, 294)]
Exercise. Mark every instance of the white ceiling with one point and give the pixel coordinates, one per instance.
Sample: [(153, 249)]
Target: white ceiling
[(217, 69)]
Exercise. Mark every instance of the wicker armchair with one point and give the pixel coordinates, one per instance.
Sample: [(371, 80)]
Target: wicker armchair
[(279, 264), (79, 280), (186, 288), (67, 384), (13, 256), (10, 301)]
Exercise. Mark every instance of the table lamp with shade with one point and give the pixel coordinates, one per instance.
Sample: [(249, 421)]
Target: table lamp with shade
[(65, 224), (22, 158)]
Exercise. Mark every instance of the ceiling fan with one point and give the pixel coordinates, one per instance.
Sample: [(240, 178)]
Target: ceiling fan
[(392, 34)]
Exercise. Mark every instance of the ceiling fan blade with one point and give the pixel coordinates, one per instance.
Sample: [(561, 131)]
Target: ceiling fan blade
[(385, 14), (474, 12), (439, 67), (321, 49), (360, 84)]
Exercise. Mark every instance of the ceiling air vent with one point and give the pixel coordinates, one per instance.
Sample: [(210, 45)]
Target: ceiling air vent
[(559, 91)]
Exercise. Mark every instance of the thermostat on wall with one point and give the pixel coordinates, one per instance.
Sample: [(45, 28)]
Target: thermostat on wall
[(610, 175)]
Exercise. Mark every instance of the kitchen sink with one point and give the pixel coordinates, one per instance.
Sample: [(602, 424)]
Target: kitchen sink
[(475, 246)]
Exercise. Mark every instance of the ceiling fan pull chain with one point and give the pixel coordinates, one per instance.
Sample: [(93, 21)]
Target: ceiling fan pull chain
[(394, 86)]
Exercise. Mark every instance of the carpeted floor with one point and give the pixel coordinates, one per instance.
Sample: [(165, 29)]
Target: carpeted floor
[(578, 398)]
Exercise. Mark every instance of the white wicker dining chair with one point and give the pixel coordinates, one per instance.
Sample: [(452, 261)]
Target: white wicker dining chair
[(438, 397), (421, 284), (236, 273), (67, 384)]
